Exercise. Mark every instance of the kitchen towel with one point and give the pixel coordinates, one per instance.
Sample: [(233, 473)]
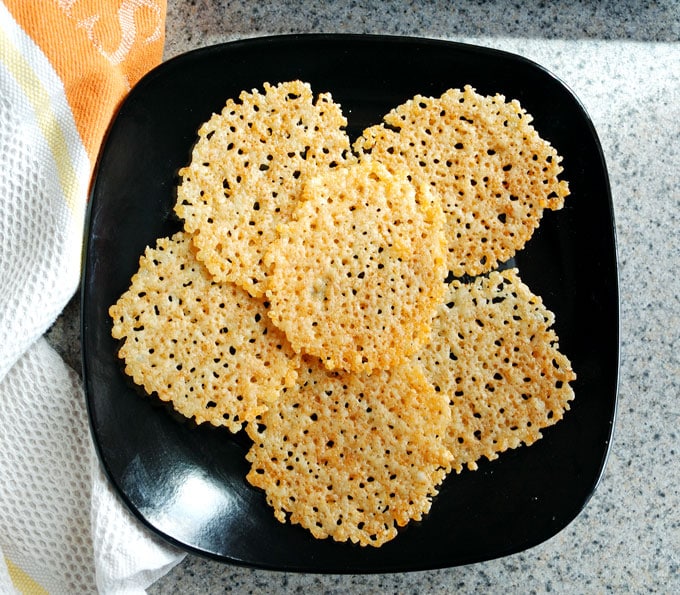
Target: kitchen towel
[(65, 65)]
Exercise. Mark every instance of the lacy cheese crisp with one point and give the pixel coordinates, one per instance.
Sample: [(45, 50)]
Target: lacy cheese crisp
[(495, 356), (358, 272), (246, 172), (207, 347), (483, 159), (350, 456)]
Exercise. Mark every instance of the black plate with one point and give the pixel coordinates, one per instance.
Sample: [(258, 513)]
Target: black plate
[(188, 484)]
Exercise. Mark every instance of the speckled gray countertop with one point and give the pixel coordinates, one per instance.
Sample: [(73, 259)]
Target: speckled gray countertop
[(622, 60)]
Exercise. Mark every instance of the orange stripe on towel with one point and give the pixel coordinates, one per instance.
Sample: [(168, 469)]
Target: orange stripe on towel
[(99, 49)]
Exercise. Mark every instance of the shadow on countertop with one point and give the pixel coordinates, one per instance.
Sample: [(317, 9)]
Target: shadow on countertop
[(200, 22)]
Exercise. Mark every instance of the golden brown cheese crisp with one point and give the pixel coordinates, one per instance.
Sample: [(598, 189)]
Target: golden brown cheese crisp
[(483, 159), (495, 356), (207, 347), (349, 456), (358, 272), (246, 172)]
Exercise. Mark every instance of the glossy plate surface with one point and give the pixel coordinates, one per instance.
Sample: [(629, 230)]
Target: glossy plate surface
[(188, 484)]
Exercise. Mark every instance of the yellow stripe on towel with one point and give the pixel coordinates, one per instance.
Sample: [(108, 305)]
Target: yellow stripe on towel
[(23, 582), (49, 124)]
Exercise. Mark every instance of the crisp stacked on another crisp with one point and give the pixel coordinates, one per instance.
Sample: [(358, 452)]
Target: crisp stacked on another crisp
[(351, 456), (358, 272), (483, 159), (207, 347), (246, 172), (495, 356)]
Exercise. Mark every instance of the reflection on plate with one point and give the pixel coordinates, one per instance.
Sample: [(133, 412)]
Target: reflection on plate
[(188, 484)]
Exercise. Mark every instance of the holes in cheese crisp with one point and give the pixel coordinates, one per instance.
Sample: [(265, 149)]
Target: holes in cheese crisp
[(376, 492), (478, 154), (357, 237), (195, 330)]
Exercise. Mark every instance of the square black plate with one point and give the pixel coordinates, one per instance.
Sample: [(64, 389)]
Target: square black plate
[(188, 484)]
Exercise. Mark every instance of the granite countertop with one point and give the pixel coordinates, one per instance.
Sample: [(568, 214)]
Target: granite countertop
[(623, 61)]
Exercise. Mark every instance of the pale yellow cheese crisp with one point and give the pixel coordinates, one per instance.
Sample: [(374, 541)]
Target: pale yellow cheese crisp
[(207, 347), (496, 357), (358, 272), (246, 172), (483, 159), (349, 456)]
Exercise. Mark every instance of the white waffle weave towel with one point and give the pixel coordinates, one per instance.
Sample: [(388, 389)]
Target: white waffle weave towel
[(62, 529)]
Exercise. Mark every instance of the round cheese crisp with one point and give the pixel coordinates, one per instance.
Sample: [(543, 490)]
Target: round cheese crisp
[(481, 156), (351, 457), (246, 171), (207, 347), (495, 356), (358, 272)]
